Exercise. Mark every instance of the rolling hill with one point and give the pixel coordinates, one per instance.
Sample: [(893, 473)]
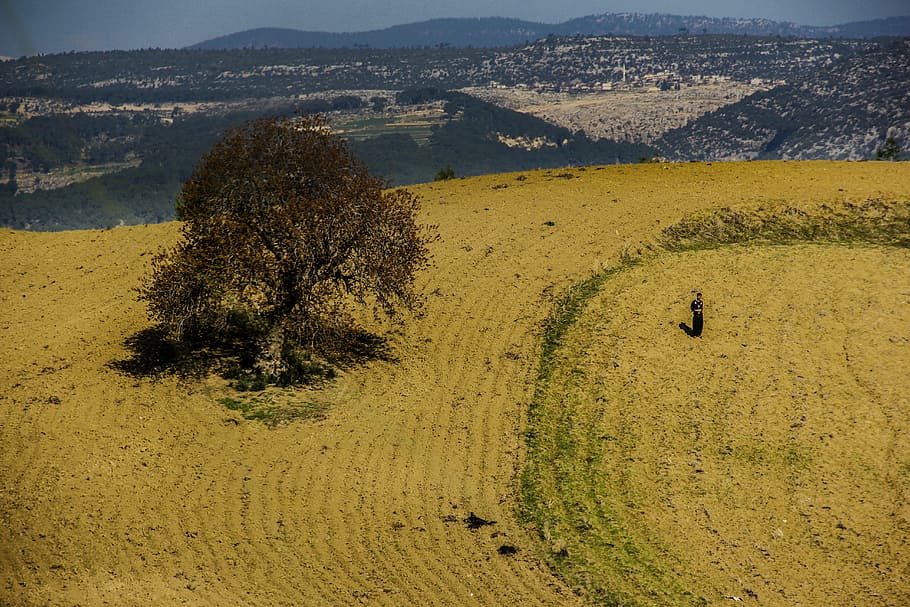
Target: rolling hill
[(147, 489), (472, 136), (107, 138)]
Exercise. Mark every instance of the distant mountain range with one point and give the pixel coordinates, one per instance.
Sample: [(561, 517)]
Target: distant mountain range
[(500, 32)]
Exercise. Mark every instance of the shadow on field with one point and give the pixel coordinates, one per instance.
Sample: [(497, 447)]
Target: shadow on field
[(687, 329), (154, 355)]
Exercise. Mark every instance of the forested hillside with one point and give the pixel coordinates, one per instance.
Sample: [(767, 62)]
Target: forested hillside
[(471, 137)]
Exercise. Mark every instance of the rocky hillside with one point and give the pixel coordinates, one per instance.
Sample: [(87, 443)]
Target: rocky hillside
[(844, 111), (565, 63)]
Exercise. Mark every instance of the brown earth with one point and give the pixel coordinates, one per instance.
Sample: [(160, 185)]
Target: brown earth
[(138, 491), (639, 114), (768, 460)]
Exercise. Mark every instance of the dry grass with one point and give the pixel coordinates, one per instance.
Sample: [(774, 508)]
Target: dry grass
[(150, 491)]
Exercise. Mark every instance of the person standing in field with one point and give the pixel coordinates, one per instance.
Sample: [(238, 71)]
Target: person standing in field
[(698, 320)]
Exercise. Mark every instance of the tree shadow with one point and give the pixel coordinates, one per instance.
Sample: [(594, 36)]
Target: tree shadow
[(687, 329), (354, 347), (154, 355)]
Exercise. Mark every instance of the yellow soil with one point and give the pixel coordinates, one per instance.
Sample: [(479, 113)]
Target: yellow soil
[(769, 460), (139, 491)]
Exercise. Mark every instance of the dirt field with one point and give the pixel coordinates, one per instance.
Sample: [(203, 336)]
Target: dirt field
[(637, 115), (768, 460), (139, 491)]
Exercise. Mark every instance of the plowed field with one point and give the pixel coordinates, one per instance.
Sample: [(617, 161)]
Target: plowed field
[(126, 490)]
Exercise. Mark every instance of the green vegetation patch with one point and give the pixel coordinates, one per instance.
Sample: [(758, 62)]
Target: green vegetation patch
[(575, 509), (418, 125), (274, 408)]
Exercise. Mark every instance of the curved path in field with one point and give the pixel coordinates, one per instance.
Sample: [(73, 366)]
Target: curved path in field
[(141, 491), (769, 460)]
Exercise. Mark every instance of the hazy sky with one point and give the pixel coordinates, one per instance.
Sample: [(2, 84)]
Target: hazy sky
[(51, 26)]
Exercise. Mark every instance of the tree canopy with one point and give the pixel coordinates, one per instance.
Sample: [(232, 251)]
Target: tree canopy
[(889, 150), (285, 232)]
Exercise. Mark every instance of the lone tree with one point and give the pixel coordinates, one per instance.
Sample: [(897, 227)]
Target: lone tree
[(889, 150), (445, 174), (285, 233)]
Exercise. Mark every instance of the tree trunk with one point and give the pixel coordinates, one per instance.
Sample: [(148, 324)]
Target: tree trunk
[(270, 360)]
